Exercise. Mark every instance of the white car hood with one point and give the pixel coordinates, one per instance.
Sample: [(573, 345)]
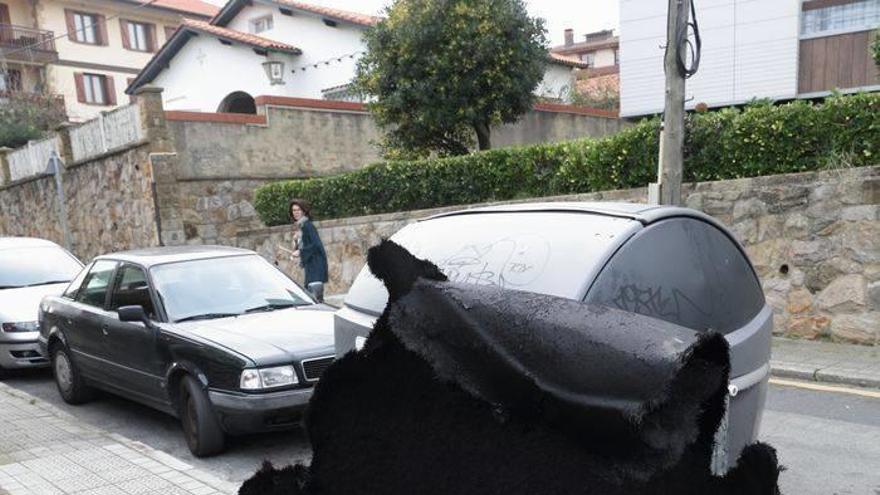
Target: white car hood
[(17, 305)]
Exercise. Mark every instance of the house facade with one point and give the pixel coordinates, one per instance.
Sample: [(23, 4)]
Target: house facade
[(599, 81), (779, 50), (85, 51), (277, 48)]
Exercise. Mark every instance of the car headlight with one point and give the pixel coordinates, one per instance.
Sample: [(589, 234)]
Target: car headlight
[(21, 326), (259, 379)]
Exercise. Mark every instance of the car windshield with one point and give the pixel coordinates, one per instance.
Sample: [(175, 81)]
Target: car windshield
[(222, 287), (39, 265)]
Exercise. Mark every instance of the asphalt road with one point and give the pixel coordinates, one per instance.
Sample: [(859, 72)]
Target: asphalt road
[(828, 441)]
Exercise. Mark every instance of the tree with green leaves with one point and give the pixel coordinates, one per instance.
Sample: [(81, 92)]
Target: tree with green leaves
[(438, 73), (25, 117)]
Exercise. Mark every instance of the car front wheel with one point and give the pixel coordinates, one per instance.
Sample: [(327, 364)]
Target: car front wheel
[(203, 433), (70, 383)]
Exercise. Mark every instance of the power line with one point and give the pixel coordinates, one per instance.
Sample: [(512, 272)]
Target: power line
[(114, 16)]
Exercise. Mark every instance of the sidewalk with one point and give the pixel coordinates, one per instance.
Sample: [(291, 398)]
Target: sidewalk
[(826, 362), (44, 450)]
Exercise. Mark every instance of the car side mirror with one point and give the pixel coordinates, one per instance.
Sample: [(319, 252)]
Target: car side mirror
[(134, 314)]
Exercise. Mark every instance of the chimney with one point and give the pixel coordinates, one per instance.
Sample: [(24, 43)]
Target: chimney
[(569, 37)]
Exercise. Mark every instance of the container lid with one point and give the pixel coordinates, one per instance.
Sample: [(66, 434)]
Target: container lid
[(550, 251)]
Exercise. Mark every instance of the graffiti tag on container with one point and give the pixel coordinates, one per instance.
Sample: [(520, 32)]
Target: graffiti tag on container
[(652, 301), (514, 261)]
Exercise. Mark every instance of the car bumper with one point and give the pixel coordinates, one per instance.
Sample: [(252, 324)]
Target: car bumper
[(21, 355), (250, 413)]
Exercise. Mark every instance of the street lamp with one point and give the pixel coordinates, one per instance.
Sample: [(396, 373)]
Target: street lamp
[(274, 71)]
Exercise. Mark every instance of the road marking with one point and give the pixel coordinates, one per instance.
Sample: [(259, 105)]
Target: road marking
[(874, 394)]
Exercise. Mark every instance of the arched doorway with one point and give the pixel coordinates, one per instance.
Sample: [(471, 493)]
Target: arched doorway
[(238, 102)]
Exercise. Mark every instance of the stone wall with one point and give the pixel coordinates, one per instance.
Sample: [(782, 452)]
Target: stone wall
[(814, 239), (30, 208), (109, 198)]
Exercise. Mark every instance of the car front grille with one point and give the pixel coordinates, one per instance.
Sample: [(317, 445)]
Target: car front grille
[(314, 368)]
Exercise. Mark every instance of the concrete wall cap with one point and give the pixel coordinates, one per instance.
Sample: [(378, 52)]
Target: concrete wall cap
[(148, 89)]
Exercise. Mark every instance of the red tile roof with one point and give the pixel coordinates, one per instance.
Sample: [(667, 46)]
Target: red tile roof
[(342, 15), (569, 61), (197, 7), (246, 38)]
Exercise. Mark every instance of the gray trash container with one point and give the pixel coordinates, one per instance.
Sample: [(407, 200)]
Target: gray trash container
[(675, 264)]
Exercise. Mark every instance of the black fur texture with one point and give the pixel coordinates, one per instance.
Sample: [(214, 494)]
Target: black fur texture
[(382, 422)]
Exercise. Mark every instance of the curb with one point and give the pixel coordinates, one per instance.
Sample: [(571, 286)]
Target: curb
[(820, 376)]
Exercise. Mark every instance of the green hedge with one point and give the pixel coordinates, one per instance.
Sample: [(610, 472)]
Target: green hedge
[(760, 139)]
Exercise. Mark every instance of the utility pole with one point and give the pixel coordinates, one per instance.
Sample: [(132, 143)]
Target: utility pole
[(667, 190)]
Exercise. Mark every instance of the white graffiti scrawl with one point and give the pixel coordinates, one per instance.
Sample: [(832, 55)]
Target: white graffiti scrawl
[(512, 261)]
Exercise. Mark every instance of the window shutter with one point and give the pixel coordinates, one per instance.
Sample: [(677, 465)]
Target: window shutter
[(71, 25), (126, 41), (80, 87), (151, 37), (102, 29), (110, 89)]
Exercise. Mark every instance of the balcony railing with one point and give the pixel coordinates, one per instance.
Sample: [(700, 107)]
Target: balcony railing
[(37, 40)]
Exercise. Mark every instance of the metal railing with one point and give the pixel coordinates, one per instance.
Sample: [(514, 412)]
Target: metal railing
[(109, 131), (12, 36)]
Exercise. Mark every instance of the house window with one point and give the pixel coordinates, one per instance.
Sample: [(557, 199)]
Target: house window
[(589, 58), (261, 24), (95, 89), (138, 36), (86, 28), (94, 86), (855, 16), (10, 80), (616, 57)]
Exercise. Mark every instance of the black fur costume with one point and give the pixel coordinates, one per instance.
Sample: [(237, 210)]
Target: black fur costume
[(475, 390)]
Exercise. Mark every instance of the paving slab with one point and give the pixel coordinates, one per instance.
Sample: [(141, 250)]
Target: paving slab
[(828, 362), (44, 450)]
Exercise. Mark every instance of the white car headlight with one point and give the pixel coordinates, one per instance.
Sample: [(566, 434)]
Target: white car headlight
[(258, 379)]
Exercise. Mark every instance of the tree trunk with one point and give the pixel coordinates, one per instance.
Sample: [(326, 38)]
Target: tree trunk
[(483, 135)]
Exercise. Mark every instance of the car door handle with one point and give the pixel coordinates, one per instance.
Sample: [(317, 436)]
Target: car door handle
[(104, 330)]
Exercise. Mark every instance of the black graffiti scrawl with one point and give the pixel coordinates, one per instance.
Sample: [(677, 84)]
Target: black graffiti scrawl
[(464, 389)]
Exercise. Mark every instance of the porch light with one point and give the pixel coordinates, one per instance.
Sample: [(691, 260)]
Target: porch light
[(274, 71)]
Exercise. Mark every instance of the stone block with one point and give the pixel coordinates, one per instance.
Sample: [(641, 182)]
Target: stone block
[(748, 208), (847, 293), (874, 296), (784, 198), (770, 227), (808, 327), (796, 226), (859, 329), (799, 301), (862, 212)]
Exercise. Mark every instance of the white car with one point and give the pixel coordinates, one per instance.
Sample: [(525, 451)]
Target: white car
[(30, 269)]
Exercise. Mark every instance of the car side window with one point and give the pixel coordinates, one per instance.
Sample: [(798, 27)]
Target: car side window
[(94, 287), (132, 289), (76, 283)]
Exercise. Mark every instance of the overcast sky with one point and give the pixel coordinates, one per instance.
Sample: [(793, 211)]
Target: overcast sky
[(581, 15)]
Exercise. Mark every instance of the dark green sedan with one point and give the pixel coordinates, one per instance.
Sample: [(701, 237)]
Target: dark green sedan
[(215, 336)]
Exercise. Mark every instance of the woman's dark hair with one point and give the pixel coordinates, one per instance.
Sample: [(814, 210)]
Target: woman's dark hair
[(303, 205)]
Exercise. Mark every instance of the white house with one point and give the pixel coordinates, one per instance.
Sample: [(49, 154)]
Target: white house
[(277, 48), (776, 49)]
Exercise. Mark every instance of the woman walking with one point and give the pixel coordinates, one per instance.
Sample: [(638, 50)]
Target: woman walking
[(309, 249)]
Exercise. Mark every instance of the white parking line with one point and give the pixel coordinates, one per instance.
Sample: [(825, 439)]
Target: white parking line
[(874, 394)]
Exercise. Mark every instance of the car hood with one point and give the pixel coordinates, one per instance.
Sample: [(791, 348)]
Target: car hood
[(276, 337), (23, 304)]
